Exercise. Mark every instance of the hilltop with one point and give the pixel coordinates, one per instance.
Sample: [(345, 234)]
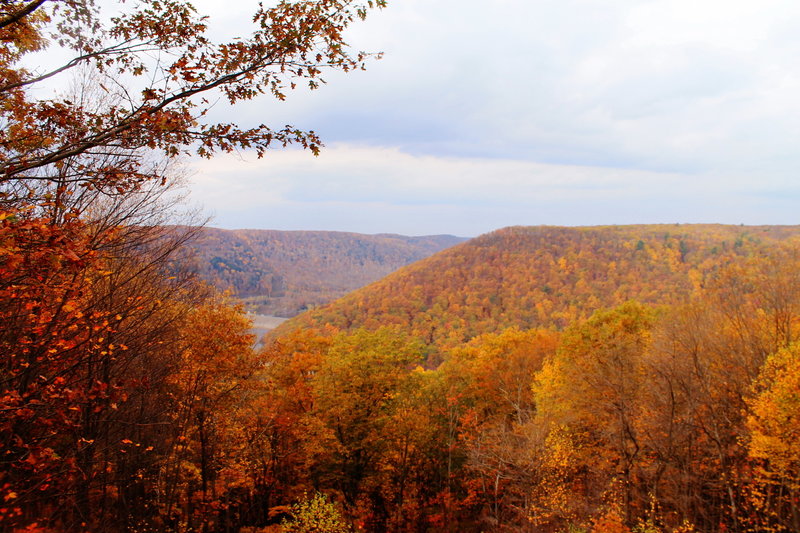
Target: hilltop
[(544, 277)]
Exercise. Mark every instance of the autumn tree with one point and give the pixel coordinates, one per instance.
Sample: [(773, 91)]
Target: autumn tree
[(703, 362), (491, 378), (588, 393), (695, 399), (82, 338), (773, 447), (163, 107), (356, 392), (315, 515), (208, 390), (93, 304), (278, 425), (353, 415)]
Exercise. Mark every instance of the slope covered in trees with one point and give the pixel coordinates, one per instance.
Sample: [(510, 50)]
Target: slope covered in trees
[(545, 277), (285, 272), (674, 416)]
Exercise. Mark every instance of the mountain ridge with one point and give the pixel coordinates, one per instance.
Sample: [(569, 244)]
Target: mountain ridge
[(280, 273), (544, 276)]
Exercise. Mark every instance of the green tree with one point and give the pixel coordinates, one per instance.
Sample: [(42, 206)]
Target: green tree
[(356, 397), (315, 515)]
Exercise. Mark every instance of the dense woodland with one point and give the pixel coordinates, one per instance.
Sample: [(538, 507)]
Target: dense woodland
[(285, 272), (546, 277), (678, 415), (535, 379), (658, 417)]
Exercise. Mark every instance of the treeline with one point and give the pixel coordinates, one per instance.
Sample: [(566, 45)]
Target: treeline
[(640, 418), (545, 277), (286, 272)]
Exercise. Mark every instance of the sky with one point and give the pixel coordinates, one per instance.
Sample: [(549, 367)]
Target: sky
[(486, 114)]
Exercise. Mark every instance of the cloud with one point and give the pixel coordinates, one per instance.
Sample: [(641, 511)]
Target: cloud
[(374, 190), (686, 110)]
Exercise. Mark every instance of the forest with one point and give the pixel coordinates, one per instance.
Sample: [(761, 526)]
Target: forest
[(671, 415), (546, 277), (609, 379)]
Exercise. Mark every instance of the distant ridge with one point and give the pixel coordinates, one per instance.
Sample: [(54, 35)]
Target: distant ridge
[(544, 276), (284, 272)]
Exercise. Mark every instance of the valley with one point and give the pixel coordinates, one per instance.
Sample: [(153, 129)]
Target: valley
[(283, 273)]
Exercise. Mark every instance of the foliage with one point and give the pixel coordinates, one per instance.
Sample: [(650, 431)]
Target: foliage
[(442, 398), (591, 386), (315, 515), (490, 382), (126, 386), (635, 419), (165, 105), (774, 424), (544, 277)]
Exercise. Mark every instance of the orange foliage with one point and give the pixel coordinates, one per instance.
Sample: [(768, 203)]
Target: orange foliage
[(544, 277)]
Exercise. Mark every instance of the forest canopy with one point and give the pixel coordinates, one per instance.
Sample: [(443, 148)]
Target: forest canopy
[(673, 411)]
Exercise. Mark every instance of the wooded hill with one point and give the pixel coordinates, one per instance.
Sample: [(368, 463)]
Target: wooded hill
[(676, 413), (285, 272), (544, 277)]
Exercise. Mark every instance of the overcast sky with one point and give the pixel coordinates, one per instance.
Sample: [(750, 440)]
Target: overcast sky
[(485, 114)]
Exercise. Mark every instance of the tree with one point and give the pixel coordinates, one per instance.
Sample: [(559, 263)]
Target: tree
[(356, 402), (208, 390), (93, 305), (276, 429), (700, 370), (315, 515), (774, 427), (492, 377), (591, 388), (62, 140)]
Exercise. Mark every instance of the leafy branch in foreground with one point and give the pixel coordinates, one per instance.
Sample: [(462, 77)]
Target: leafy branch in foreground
[(160, 71), (124, 382)]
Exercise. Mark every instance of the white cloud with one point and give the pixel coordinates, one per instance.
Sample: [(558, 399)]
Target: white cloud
[(374, 190), (688, 108)]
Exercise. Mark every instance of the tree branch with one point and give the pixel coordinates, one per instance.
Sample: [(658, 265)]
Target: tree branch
[(22, 13)]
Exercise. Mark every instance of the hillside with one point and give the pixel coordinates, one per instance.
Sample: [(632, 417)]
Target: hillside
[(544, 277), (284, 272)]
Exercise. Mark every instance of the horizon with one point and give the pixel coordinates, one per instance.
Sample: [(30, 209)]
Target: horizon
[(468, 237), (565, 114)]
